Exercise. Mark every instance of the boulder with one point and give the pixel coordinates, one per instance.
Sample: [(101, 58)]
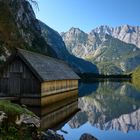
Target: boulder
[(87, 136)]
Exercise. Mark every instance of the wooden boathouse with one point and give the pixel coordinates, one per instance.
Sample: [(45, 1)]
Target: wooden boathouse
[(36, 79)]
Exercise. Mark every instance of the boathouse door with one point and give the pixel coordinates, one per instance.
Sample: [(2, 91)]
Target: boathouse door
[(15, 84)]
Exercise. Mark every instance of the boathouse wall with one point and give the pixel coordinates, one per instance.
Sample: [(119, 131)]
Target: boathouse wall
[(53, 87), (18, 80)]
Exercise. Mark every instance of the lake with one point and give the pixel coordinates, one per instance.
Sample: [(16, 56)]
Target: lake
[(108, 111)]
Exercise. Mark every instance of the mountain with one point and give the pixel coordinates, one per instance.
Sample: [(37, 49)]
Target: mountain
[(111, 55), (80, 43), (53, 38), (126, 33), (26, 24), (20, 28)]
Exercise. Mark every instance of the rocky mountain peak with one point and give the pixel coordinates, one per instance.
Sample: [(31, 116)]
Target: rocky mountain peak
[(76, 32), (126, 33), (74, 35), (103, 29), (114, 49), (54, 39), (74, 29), (127, 29)]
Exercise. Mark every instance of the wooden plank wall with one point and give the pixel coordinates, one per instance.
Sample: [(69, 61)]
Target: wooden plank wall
[(53, 87), (17, 74)]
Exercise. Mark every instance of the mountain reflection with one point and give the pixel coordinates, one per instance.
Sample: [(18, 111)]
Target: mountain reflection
[(113, 106)]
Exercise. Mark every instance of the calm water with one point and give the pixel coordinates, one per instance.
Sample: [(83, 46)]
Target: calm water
[(108, 111)]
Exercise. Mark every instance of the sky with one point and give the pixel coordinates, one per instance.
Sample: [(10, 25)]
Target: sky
[(61, 15)]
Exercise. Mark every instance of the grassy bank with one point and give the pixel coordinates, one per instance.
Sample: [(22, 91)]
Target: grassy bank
[(13, 109), (10, 114), (136, 77)]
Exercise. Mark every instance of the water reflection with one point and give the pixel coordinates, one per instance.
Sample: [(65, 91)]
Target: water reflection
[(112, 106), (53, 116), (59, 116), (105, 109), (87, 88)]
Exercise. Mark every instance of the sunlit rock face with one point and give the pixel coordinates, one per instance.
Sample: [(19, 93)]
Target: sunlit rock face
[(126, 33), (80, 43), (107, 47), (54, 39), (111, 107)]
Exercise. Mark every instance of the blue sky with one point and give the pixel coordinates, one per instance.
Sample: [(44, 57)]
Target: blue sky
[(61, 15)]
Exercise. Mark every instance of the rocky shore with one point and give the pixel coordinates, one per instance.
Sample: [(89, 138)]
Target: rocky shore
[(51, 135), (29, 126), (16, 122)]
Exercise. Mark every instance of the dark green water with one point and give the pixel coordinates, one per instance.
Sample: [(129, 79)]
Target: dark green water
[(108, 111)]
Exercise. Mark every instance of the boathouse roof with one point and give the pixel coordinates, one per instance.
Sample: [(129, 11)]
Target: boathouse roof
[(46, 68)]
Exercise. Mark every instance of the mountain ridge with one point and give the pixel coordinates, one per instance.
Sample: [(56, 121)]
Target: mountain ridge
[(19, 28), (23, 30), (112, 55), (126, 33), (53, 38)]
